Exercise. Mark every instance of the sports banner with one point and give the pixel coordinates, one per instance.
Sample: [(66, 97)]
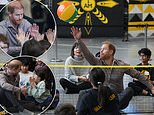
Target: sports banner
[(96, 18)]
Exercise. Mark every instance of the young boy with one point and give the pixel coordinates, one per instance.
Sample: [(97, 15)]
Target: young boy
[(141, 89), (4, 44), (25, 75)]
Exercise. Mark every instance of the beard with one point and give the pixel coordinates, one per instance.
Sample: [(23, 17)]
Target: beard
[(104, 57), (17, 22)]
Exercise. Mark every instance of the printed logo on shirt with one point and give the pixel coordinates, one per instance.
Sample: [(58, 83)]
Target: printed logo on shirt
[(146, 74), (112, 97), (97, 108)]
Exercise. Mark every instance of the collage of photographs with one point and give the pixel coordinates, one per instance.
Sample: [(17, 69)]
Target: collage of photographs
[(105, 64), (27, 84)]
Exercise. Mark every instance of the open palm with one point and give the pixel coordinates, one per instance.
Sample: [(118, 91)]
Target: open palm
[(76, 32)]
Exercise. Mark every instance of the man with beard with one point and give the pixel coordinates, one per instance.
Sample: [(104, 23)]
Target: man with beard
[(11, 26), (9, 87), (114, 76)]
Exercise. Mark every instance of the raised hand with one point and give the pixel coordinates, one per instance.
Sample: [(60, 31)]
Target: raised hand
[(22, 36), (35, 33), (32, 81), (39, 37), (34, 30), (50, 35), (76, 32)]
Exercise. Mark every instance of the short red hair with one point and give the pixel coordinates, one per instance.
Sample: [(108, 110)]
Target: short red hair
[(15, 5)]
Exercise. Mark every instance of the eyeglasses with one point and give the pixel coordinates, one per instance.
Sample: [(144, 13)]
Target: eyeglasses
[(142, 55)]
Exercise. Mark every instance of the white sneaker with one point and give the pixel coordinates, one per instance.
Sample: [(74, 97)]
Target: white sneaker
[(26, 112)]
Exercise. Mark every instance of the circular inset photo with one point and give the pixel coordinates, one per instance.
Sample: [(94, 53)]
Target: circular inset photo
[(27, 86), (26, 28)]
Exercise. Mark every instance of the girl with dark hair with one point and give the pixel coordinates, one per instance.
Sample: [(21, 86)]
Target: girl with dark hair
[(75, 78), (41, 86), (100, 100)]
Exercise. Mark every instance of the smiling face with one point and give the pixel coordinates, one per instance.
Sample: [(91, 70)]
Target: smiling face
[(16, 17), (77, 52)]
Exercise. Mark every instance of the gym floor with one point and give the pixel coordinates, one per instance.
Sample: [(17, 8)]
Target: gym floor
[(126, 51)]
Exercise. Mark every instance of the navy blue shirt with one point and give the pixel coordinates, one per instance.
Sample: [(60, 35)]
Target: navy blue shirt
[(148, 69), (89, 105)]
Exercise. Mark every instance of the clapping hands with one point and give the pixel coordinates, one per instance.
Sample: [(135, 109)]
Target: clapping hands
[(32, 82)]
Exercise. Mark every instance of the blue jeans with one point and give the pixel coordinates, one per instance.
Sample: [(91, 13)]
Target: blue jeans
[(47, 101), (124, 97)]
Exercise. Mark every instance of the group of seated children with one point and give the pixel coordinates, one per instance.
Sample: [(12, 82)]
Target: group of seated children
[(98, 97), (35, 89)]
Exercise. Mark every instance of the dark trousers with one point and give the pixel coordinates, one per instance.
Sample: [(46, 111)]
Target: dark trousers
[(138, 87), (8, 99), (124, 97), (46, 102), (33, 105), (73, 88)]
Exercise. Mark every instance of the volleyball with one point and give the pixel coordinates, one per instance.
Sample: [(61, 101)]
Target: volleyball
[(66, 11)]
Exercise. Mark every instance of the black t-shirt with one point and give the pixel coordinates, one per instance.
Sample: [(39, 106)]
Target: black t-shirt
[(89, 105), (147, 70)]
